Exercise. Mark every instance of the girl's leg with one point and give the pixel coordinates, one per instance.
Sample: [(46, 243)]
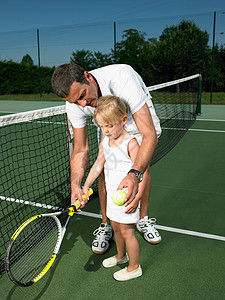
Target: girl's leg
[(120, 243), (102, 197), (132, 246)]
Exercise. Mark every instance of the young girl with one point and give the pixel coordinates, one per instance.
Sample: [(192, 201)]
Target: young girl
[(117, 152)]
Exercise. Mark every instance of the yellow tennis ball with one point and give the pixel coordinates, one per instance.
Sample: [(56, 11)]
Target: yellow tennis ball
[(118, 197)]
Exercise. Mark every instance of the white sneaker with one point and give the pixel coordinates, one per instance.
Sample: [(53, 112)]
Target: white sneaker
[(124, 275), (146, 226), (103, 234), (113, 261)]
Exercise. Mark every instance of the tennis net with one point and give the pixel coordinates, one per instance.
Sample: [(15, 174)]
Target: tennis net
[(35, 166), (176, 103), (36, 147)]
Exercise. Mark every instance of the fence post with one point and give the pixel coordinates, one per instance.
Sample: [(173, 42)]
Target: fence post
[(213, 54), (115, 58), (39, 63)]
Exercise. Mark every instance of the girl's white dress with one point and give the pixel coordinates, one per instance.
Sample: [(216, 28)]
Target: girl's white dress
[(117, 164)]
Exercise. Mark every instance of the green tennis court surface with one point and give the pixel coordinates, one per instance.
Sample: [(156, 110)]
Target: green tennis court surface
[(13, 106), (187, 199)]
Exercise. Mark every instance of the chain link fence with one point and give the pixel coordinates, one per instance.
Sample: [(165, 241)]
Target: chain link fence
[(52, 46)]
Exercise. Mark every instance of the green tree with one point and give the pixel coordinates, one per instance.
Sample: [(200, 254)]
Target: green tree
[(101, 59), (182, 50), (136, 51), (18, 78), (84, 58), (219, 68), (27, 60), (130, 48), (89, 60)]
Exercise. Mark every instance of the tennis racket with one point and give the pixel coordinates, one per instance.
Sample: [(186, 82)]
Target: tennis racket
[(35, 244)]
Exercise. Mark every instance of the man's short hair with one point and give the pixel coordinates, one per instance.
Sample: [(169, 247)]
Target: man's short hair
[(64, 76)]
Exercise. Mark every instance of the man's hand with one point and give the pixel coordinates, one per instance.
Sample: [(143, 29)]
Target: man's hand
[(131, 183), (76, 194)]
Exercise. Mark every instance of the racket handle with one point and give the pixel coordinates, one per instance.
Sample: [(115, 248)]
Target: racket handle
[(77, 203)]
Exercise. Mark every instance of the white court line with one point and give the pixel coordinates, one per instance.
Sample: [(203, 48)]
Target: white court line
[(191, 129), (166, 228), (207, 130), (210, 120), (190, 232), (99, 216)]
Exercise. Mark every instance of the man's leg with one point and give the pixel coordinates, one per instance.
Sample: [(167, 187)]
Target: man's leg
[(146, 225), (146, 195), (103, 234)]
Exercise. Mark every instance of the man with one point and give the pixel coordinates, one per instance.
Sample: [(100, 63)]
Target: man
[(81, 90)]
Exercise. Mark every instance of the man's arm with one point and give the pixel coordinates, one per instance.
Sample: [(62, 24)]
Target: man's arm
[(78, 162), (149, 142), (146, 128)]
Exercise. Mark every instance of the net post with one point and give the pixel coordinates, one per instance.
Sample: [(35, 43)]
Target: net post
[(199, 106)]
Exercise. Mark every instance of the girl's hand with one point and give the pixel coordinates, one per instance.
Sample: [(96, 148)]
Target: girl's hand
[(85, 190), (132, 207)]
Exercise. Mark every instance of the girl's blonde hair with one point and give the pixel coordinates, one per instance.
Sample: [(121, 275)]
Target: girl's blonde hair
[(112, 109)]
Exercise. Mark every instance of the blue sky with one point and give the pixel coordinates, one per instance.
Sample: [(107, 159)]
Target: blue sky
[(26, 14), (70, 25)]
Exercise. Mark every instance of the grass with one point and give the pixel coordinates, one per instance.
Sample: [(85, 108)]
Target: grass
[(217, 97), (31, 97)]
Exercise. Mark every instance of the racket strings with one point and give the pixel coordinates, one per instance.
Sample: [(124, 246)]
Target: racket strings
[(33, 248)]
